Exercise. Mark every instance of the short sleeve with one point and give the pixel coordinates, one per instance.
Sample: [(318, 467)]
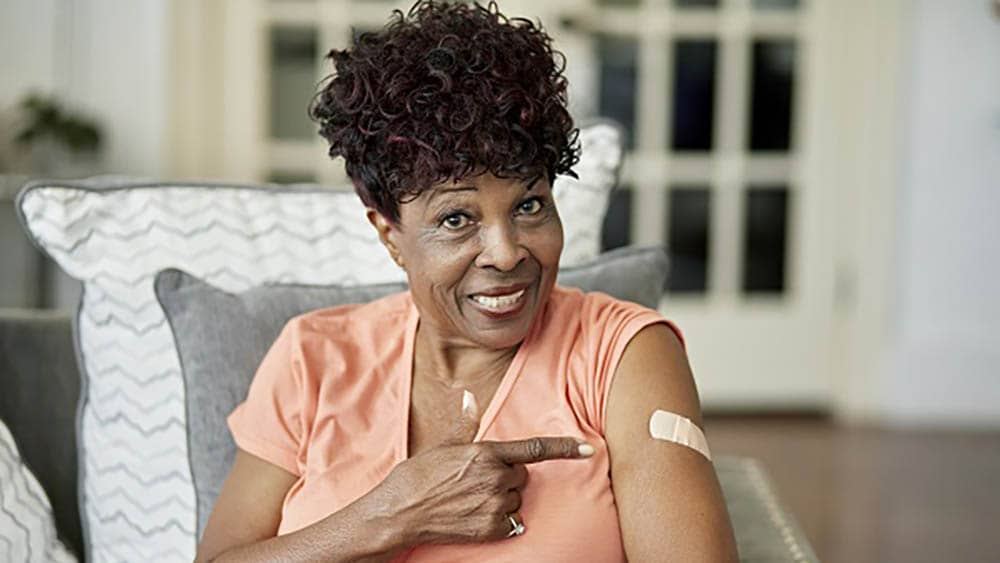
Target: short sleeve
[(268, 424), (609, 325)]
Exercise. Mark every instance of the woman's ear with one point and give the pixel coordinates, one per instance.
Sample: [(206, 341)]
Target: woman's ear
[(387, 232)]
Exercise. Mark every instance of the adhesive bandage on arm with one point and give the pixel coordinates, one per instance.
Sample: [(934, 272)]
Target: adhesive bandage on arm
[(672, 427)]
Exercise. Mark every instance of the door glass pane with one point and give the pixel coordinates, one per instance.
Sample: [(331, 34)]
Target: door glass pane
[(694, 95), (779, 4), (765, 239), (687, 239), (696, 3), (618, 58), (293, 81), (617, 230), (771, 95)]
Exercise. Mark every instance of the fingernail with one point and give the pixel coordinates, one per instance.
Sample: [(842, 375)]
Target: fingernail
[(585, 450), (468, 402)]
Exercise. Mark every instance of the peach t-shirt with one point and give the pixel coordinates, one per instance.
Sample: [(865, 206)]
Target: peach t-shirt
[(330, 404)]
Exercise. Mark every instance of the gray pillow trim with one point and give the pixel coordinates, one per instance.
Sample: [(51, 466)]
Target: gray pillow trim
[(81, 466), (184, 386)]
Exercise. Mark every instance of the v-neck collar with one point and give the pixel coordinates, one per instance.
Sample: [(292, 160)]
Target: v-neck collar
[(496, 402)]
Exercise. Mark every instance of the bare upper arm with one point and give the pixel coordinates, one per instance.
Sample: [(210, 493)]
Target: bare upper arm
[(670, 505), (248, 508)]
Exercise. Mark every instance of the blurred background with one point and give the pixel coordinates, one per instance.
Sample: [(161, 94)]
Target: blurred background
[(824, 173)]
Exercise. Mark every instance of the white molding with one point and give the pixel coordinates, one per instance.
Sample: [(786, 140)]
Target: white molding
[(196, 59), (861, 171), (244, 90)]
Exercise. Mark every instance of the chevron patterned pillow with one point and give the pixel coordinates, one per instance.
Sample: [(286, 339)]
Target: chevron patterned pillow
[(27, 530), (137, 497), (582, 202)]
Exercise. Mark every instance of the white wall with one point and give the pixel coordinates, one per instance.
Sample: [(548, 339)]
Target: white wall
[(945, 366), (27, 48), (107, 58)]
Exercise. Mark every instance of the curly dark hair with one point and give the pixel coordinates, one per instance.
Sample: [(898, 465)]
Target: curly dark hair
[(446, 91)]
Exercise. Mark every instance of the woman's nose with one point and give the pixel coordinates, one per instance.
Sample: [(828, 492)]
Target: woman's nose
[(501, 248)]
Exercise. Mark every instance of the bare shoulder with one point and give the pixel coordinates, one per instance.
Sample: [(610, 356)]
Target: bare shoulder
[(670, 504), (653, 373)]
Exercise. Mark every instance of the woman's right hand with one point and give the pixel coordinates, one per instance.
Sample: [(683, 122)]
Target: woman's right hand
[(463, 491)]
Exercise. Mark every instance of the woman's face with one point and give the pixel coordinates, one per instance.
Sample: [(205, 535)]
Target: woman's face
[(481, 255)]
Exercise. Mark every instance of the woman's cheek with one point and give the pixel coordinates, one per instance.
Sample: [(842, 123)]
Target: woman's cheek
[(550, 242)]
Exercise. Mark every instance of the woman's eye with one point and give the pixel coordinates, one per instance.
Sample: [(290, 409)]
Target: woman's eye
[(455, 221), (530, 206)]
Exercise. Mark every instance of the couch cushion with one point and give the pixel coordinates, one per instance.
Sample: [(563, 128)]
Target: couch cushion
[(138, 500), (27, 530), (39, 389), (764, 530), (222, 337)]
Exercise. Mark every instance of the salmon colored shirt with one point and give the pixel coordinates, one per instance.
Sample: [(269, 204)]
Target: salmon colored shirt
[(330, 403)]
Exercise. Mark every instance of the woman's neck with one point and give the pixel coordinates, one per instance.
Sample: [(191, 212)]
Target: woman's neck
[(458, 364)]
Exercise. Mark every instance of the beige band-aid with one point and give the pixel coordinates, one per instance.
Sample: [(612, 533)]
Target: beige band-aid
[(672, 427)]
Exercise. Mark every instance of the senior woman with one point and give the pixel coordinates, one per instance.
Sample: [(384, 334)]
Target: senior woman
[(486, 414)]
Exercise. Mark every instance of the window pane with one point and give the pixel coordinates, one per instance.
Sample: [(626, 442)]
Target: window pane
[(779, 4), (694, 95), (618, 2), (618, 220), (696, 3), (765, 240), (687, 236), (771, 95), (293, 81), (618, 59)]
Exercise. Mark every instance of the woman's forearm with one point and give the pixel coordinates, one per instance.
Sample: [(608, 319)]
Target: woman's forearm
[(354, 533)]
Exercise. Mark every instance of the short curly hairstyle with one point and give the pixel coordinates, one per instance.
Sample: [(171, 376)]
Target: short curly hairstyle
[(446, 91)]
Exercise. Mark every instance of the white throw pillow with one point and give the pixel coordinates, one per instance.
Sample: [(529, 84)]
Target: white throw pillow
[(583, 202), (27, 529), (138, 500)]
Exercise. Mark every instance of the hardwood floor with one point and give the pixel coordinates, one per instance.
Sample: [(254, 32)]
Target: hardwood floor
[(878, 495)]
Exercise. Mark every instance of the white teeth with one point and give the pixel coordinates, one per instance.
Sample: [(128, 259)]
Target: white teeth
[(499, 301)]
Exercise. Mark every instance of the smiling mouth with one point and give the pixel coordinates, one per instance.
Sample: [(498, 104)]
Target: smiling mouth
[(498, 303)]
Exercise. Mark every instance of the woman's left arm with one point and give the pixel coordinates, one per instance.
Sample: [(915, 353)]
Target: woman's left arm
[(670, 505)]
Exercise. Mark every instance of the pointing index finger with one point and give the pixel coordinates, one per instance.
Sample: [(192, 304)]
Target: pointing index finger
[(542, 448)]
